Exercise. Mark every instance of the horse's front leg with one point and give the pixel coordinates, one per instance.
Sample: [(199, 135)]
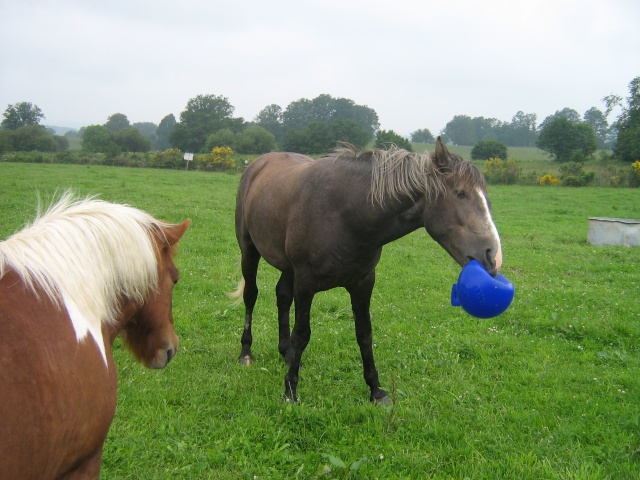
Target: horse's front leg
[(299, 340), (360, 303)]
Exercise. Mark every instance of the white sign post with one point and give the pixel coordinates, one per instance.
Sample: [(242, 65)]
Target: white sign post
[(188, 157)]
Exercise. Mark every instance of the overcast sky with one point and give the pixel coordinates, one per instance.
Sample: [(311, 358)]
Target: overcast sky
[(417, 63)]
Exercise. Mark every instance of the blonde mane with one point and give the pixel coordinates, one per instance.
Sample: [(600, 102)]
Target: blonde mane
[(397, 173), (87, 255)]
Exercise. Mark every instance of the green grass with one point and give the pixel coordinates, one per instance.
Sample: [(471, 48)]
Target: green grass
[(549, 389)]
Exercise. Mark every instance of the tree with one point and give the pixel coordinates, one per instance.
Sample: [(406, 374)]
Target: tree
[(367, 118), (222, 138), (464, 130), (598, 121), (461, 131), (20, 115), (253, 139), (72, 134), (270, 118), (148, 129), (627, 147), (486, 149), (315, 138), (258, 140), (164, 131), (326, 109), (422, 136), (298, 115), (97, 139), (204, 115), (6, 141), (523, 130), (345, 130), (34, 137), (386, 138), (117, 122), (563, 139), (566, 113), (131, 140)]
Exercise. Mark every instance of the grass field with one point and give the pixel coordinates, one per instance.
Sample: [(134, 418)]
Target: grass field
[(548, 390)]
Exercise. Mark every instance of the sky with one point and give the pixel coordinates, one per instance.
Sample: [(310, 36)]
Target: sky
[(417, 63)]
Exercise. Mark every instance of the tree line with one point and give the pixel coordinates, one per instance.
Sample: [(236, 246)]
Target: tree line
[(315, 126)]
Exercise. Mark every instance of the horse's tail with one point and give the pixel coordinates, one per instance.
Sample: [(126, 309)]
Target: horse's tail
[(236, 296)]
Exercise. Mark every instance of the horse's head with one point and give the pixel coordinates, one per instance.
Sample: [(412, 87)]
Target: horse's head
[(149, 333), (459, 218)]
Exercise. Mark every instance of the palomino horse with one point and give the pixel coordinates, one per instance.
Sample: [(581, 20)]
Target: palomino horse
[(323, 224), (84, 271)]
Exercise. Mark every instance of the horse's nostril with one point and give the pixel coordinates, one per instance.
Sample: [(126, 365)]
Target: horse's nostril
[(170, 353)]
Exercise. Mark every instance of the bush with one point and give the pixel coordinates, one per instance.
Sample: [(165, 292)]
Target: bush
[(549, 179), (572, 174), (220, 159), (497, 171), (487, 149), (67, 157), (172, 158), (634, 176)]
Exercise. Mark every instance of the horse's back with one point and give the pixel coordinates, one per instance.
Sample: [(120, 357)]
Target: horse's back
[(267, 190), (273, 169), (58, 396)]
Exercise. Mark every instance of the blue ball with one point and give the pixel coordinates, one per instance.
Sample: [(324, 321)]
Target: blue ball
[(480, 294)]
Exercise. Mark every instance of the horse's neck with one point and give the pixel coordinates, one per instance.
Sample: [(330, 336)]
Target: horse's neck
[(397, 219), (126, 310)]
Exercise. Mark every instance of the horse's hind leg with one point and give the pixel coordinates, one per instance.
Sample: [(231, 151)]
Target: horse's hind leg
[(284, 296), (250, 260), (360, 303), (299, 339)]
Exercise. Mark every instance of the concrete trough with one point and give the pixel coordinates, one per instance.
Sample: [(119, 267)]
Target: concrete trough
[(614, 231)]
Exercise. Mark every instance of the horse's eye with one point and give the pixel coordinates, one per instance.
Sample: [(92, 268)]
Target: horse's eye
[(461, 194)]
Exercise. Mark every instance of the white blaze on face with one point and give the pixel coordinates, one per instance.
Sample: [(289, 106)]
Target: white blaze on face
[(492, 227)]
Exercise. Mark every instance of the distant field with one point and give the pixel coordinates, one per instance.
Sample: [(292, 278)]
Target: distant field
[(533, 161), (548, 390)]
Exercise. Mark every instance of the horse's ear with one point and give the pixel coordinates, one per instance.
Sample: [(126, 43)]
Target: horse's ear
[(175, 232), (442, 155)]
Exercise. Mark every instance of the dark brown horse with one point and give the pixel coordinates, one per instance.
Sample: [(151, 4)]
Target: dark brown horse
[(323, 224), (69, 283)]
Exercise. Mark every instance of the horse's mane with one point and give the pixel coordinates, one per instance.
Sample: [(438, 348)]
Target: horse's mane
[(397, 173), (87, 254)]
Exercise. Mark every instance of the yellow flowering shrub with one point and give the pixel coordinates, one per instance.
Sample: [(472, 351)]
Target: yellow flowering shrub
[(549, 179), (634, 175), (220, 158)]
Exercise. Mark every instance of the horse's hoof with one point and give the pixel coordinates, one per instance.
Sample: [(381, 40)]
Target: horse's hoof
[(383, 402), (290, 399), (381, 397), (290, 393), (246, 360)]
